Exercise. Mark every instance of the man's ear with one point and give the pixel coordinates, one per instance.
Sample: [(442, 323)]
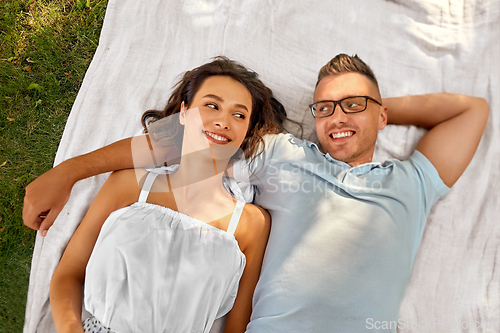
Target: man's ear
[(182, 114), (383, 118)]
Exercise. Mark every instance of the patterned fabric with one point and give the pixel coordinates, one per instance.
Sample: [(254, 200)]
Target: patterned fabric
[(92, 325)]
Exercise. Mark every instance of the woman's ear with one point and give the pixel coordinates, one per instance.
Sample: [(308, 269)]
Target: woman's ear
[(182, 114)]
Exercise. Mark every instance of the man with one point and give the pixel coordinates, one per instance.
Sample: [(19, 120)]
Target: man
[(345, 230)]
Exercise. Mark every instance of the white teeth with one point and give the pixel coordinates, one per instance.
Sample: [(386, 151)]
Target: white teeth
[(216, 137), (341, 135)]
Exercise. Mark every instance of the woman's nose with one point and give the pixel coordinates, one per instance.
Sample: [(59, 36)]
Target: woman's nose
[(222, 121)]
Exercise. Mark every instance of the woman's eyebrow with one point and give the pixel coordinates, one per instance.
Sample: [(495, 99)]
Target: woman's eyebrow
[(220, 99)]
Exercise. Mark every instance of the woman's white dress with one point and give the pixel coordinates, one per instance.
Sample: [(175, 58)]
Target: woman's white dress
[(157, 270)]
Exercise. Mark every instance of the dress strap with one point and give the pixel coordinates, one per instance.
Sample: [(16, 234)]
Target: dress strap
[(146, 187), (235, 218)]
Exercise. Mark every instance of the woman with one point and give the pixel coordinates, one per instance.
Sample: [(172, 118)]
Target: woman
[(176, 251)]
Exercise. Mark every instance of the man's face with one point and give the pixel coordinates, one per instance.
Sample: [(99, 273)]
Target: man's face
[(351, 137)]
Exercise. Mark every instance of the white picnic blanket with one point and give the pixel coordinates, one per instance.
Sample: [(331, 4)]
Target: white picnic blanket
[(413, 46)]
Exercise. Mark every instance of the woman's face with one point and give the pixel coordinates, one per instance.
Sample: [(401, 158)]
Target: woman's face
[(218, 116)]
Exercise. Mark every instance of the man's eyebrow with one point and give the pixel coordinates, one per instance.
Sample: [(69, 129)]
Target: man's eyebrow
[(220, 99)]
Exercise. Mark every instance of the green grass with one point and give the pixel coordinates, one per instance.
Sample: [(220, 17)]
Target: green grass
[(45, 49)]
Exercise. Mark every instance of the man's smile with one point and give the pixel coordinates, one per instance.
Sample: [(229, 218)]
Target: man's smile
[(342, 134)]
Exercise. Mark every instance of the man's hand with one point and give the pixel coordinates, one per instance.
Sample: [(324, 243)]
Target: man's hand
[(45, 198)]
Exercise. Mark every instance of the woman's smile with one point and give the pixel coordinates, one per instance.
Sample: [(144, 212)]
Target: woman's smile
[(217, 138)]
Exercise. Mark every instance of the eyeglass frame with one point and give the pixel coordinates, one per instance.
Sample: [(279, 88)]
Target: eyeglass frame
[(339, 102)]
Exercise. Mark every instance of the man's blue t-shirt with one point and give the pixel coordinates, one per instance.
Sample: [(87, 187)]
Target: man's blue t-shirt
[(343, 239)]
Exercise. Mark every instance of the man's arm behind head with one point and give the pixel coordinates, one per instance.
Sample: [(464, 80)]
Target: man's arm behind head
[(455, 123)]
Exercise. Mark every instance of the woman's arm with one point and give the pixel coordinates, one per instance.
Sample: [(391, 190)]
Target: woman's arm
[(120, 190), (252, 236)]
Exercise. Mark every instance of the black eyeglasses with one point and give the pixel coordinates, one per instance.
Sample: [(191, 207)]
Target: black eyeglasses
[(352, 104)]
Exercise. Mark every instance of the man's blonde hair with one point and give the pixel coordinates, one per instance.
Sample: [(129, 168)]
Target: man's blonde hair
[(343, 63)]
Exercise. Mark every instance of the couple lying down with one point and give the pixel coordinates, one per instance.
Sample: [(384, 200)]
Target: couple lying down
[(171, 250)]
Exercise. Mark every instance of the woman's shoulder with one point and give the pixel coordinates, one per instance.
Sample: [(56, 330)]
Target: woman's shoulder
[(126, 183), (254, 225), (256, 214), (128, 177)]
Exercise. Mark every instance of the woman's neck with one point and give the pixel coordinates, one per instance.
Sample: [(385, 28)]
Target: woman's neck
[(198, 189), (200, 166)]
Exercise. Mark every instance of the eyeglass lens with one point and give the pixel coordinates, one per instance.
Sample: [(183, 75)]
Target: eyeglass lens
[(351, 104)]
